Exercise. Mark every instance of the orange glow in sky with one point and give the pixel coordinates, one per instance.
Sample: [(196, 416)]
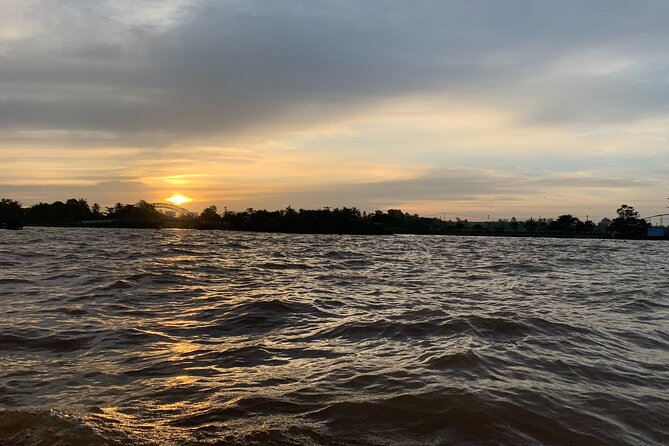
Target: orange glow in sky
[(178, 199)]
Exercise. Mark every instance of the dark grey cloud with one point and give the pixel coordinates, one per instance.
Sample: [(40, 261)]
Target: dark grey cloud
[(221, 68)]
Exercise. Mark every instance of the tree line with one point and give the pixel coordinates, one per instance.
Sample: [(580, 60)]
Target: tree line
[(628, 223)]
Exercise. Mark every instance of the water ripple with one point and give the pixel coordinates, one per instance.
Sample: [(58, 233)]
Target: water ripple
[(179, 337)]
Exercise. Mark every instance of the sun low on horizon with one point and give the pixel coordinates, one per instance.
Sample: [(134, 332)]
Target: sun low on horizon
[(178, 199)]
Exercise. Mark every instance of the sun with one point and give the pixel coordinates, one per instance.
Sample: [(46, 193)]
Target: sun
[(178, 199)]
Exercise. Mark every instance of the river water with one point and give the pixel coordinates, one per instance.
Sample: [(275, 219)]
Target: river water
[(178, 337)]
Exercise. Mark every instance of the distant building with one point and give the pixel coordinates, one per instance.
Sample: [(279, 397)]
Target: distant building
[(656, 231), (171, 214)]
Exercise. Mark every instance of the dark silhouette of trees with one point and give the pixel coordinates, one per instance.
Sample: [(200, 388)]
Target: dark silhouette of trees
[(139, 212), (11, 214), (567, 223), (530, 225), (514, 224), (209, 219), (210, 214), (326, 220), (628, 224), (603, 225), (77, 210), (72, 211), (96, 213), (564, 223), (343, 220), (584, 226), (396, 219)]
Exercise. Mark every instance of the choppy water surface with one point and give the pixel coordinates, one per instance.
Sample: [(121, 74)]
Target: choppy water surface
[(174, 337)]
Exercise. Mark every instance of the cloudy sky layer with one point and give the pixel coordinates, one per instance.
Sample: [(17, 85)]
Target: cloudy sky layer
[(469, 108)]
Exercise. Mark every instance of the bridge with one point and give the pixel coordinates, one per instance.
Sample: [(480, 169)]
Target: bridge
[(650, 218), (178, 210)]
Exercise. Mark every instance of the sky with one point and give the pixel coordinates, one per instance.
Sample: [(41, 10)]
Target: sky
[(472, 109)]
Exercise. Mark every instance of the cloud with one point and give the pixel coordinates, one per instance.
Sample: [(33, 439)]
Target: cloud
[(470, 193), (104, 192), (157, 90), (230, 67)]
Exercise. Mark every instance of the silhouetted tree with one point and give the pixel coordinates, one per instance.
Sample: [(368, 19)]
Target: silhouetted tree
[(139, 212), (564, 223), (96, 213), (603, 225), (71, 212), (210, 214), (628, 224), (77, 210), (514, 223), (585, 226), (11, 213), (116, 211), (530, 225)]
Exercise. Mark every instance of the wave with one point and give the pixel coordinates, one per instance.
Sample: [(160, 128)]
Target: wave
[(284, 266), (342, 255), (76, 311), (58, 343), (235, 245), (460, 360), (119, 285), (52, 428), (13, 280), (61, 276), (440, 326)]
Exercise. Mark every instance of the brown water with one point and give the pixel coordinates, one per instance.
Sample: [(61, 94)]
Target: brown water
[(176, 337)]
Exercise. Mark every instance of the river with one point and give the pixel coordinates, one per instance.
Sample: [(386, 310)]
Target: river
[(179, 337)]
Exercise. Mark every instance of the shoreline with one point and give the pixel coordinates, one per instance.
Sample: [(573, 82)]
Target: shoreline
[(378, 232)]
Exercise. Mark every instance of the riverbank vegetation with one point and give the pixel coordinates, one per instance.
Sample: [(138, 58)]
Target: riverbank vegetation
[(77, 212)]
